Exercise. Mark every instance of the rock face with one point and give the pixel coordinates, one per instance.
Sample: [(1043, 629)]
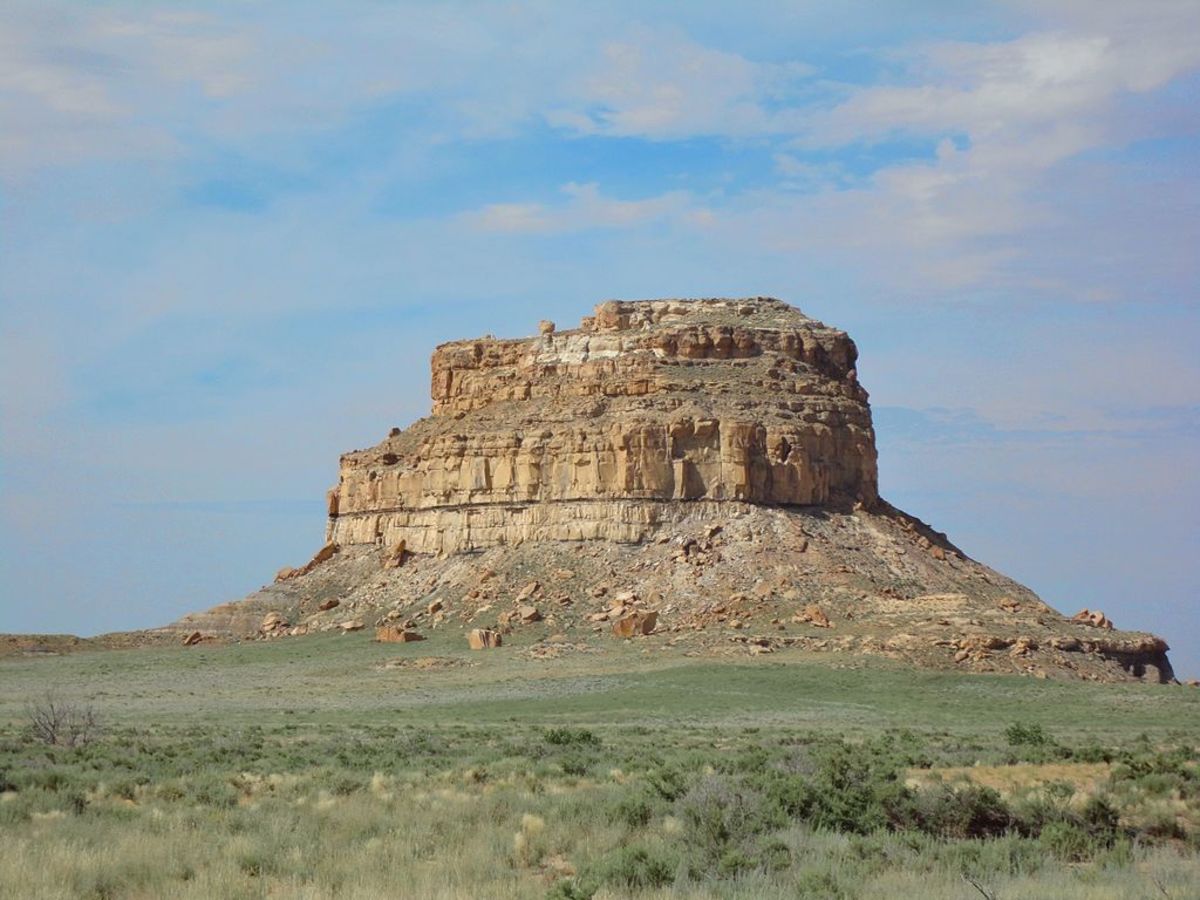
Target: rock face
[(601, 432), (693, 474)]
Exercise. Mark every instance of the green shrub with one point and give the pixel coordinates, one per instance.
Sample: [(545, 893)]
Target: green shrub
[(575, 764), (668, 783), (722, 821), (568, 737), (207, 791), (1067, 840), (949, 813), (822, 885), (849, 791), (574, 889), (792, 794), (634, 810), (1026, 734), (636, 868), (257, 862), (1101, 820), (345, 785)]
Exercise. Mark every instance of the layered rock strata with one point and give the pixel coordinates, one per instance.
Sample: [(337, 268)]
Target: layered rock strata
[(646, 414)]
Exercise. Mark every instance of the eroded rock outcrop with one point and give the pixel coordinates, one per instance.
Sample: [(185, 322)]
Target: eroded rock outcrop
[(600, 432), (698, 475)]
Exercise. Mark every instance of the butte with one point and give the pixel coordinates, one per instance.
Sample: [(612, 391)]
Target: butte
[(700, 474)]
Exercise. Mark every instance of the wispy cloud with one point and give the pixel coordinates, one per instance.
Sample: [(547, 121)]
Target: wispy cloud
[(585, 207), (659, 84), (90, 83)]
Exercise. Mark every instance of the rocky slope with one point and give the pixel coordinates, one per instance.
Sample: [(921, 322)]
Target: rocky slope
[(704, 470)]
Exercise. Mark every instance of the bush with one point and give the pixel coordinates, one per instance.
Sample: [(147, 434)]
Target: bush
[(669, 784), (722, 820), (850, 792), (968, 812), (1101, 820), (568, 737), (1026, 734), (60, 723), (1067, 841), (635, 868), (573, 889), (792, 794), (632, 810), (575, 764), (821, 885)]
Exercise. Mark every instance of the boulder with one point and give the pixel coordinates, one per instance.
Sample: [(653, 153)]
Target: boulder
[(272, 621), (1094, 618), (812, 615), (192, 639), (352, 625), (635, 623), (1022, 646), (325, 554), (529, 614), (331, 603), (393, 634), (483, 639), (976, 643), (545, 327), (395, 557)]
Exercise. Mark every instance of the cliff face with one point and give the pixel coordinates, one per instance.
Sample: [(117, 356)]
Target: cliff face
[(600, 432)]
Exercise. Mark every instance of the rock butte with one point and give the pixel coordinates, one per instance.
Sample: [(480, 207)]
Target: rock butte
[(710, 462), (649, 412)]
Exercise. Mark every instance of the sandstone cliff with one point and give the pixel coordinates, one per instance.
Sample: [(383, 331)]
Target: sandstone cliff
[(701, 470), (610, 430)]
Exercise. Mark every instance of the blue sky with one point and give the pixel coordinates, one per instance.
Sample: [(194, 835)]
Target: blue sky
[(231, 234)]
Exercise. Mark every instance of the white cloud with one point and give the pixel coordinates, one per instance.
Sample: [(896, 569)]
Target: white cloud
[(659, 84), (1019, 112), (94, 83), (1008, 90), (585, 207)]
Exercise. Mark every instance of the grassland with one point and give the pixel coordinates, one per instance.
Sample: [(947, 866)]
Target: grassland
[(332, 766)]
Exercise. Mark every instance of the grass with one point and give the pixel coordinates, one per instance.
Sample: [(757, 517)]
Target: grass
[(307, 768)]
